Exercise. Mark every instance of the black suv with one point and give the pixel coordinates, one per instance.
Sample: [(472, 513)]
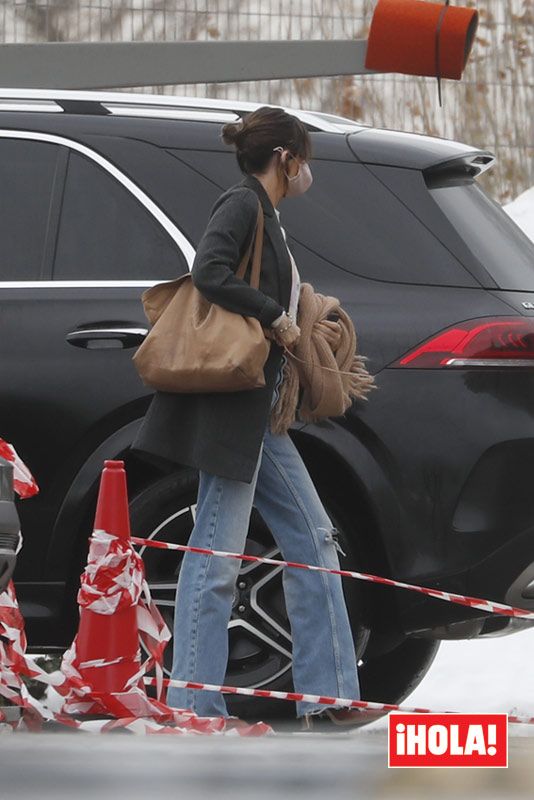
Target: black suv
[(429, 481)]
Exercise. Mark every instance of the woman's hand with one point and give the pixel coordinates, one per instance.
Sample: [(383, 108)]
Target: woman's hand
[(284, 330), (331, 331), (288, 337)]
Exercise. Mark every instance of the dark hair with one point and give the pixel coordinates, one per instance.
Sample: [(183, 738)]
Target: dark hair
[(259, 131)]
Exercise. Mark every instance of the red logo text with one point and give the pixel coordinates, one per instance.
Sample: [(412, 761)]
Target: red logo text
[(447, 740)]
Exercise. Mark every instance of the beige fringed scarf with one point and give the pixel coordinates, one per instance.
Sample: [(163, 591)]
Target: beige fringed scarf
[(329, 379)]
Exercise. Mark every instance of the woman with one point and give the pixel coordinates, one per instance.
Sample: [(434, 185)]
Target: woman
[(226, 436)]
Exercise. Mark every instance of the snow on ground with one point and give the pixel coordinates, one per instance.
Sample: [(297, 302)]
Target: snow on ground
[(493, 675), (522, 211)]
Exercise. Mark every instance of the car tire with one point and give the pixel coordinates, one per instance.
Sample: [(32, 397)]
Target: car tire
[(391, 677)]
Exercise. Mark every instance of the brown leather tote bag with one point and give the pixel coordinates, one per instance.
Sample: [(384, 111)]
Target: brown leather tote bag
[(198, 346)]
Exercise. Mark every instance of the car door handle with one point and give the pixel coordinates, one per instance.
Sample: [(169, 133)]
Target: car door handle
[(119, 337)]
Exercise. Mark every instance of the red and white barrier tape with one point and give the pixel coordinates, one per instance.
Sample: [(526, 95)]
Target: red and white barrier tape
[(114, 579), (473, 602), (14, 663), (316, 698), (23, 481)]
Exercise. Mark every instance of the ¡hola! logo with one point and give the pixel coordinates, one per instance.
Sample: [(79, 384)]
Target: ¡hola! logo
[(447, 740)]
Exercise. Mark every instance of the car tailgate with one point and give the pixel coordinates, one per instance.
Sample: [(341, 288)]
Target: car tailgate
[(519, 301)]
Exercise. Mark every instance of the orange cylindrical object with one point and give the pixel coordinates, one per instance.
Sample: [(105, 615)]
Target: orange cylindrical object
[(402, 38)]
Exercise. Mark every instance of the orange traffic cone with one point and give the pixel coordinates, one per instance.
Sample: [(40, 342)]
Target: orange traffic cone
[(110, 639), (101, 669)]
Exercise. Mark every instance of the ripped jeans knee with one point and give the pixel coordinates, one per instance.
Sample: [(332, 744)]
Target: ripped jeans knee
[(331, 535)]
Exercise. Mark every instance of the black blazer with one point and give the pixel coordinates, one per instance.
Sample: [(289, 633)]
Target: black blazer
[(221, 432)]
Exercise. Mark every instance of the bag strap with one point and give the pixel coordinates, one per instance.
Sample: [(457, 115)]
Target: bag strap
[(257, 240)]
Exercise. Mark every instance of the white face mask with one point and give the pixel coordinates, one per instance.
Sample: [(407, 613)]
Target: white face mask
[(299, 183)]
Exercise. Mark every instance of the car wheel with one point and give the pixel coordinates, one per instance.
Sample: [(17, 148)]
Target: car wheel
[(259, 631)]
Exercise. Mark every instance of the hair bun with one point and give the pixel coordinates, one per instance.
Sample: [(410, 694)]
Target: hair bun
[(231, 132)]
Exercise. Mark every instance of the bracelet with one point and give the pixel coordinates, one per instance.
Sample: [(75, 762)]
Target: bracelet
[(279, 329), (285, 328)]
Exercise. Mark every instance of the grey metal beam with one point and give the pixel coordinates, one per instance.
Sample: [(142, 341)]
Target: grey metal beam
[(100, 65)]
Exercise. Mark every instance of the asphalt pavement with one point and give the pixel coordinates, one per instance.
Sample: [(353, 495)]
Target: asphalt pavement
[(79, 766)]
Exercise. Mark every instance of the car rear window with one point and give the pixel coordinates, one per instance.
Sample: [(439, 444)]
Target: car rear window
[(491, 235), (351, 218)]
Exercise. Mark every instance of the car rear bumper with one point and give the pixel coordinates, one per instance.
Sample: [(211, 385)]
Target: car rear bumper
[(457, 454), (509, 571)]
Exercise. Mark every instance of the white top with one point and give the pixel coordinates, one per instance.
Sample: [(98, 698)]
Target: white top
[(295, 282)]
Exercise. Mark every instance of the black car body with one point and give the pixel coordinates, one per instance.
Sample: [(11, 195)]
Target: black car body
[(104, 194)]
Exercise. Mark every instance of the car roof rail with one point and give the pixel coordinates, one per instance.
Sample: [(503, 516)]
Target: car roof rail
[(83, 107), (123, 103)]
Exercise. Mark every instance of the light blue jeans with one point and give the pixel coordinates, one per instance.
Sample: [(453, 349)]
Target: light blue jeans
[(323, 655)]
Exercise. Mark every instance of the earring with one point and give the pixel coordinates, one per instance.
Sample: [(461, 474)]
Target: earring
[(283, 164)]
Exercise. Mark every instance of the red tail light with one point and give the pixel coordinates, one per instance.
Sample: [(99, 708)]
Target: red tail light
[(483, 342)]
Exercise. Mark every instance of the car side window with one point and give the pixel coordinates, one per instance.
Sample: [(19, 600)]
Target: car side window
[(105, 233), (27, 170)]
